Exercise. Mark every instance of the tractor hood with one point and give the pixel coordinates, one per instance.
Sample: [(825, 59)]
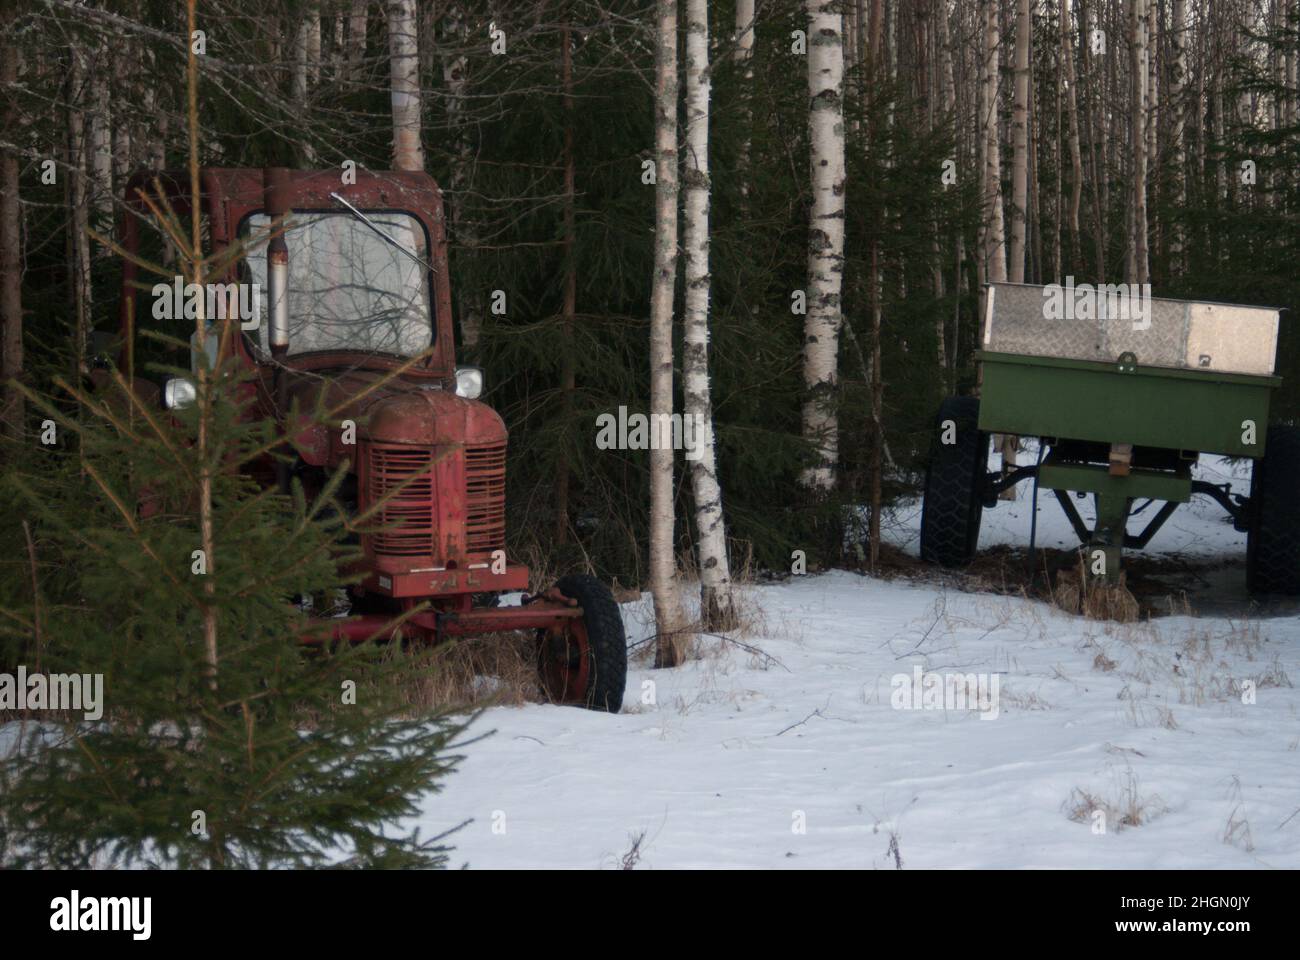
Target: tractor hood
[(399, 412), (433, 417)]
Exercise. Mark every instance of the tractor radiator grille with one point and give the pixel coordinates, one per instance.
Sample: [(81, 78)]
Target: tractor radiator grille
[(485, 498), (407, 522)]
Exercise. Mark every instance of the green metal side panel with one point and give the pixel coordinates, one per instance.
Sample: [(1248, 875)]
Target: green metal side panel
[(1151, 406)]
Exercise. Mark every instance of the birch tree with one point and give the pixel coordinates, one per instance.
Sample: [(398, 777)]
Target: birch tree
[(744, 57), (825, 240), (1137, 269), (101, 139), (1177, 79), (1072, 111), (78, 206), (1020, 145), (404, 61), (994, 252), (455, 76), (305, 66), (670, 619), (716, 611)]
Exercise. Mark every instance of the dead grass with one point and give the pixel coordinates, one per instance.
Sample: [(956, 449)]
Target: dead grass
[(497, 669), (1123, 807), (1096, 599), (1236, 832)]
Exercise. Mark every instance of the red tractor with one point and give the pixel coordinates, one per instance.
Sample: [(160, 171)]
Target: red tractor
[(355, 286)]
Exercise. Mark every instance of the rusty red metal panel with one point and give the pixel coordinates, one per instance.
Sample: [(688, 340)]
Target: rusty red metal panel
[(393, 577)]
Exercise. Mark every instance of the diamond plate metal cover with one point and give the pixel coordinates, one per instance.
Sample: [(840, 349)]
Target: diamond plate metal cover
[(1086, 322)]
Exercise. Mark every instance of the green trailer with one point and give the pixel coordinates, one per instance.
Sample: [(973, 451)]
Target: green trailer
[(1124, 392)]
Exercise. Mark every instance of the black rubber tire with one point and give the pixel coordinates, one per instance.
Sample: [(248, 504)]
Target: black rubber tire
[(1273, 541), (954, 485), (606, 642)]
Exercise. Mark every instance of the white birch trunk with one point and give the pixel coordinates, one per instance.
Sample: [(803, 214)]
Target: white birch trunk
[(78, 202), (404, 60), (455, 74), (305, 68), (716, 608), (825, 240), (1177, 96), (995, 254), (1020, 145), (670, 619), (744, 55), (1137, 260), (1076, 153), (101, 141), (357, 35)]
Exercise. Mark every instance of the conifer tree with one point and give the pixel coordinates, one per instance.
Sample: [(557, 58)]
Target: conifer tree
[(160, 565)]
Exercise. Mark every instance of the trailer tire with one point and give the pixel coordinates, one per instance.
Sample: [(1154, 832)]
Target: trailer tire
[(954, 486), (586, 665), (1273, 541)]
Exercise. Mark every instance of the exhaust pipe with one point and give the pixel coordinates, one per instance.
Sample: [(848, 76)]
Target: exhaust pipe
[(275, 199), (275, 183)]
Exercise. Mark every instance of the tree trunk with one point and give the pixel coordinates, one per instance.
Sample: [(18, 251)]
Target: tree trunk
[(11, 260), (1020, 146), (1177, 96), (670, 619), (744, 56), (404, 62), (825, 241), (79, 213), (1076, 154), (1137, 260), (356, 36), (995, 236), (455, 74), (101, 141), (569, 308), (716, 608), (305, 66)]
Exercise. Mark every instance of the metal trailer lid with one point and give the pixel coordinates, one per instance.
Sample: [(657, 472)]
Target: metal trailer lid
[(1100, 322)]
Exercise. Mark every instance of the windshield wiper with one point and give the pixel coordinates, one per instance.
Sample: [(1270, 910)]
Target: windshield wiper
[(384, 236)]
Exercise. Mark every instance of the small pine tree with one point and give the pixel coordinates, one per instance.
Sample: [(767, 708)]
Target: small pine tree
[(276, 757), (159, 564)]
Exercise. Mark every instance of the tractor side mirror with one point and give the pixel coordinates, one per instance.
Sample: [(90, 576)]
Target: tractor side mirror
[(469, 382)]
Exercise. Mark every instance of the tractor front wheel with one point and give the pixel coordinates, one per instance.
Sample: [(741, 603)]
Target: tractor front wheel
[(584, 661), (1273, 540)]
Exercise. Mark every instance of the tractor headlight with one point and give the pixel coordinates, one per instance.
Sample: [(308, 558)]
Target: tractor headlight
[(469, 382), (177, 393)]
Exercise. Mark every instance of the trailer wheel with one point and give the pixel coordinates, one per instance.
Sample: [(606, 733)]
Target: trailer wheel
[(584, 663), (1273, 541), (954, 482)]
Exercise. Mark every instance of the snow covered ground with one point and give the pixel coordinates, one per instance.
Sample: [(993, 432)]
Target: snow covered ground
[(809, 755)]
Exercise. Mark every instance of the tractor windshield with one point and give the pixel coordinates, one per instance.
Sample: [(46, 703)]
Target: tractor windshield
[(349, 289)]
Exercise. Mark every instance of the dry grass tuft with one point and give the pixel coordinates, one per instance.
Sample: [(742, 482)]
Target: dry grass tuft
[(1096, 599), (1126, 808), (498, 669)]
